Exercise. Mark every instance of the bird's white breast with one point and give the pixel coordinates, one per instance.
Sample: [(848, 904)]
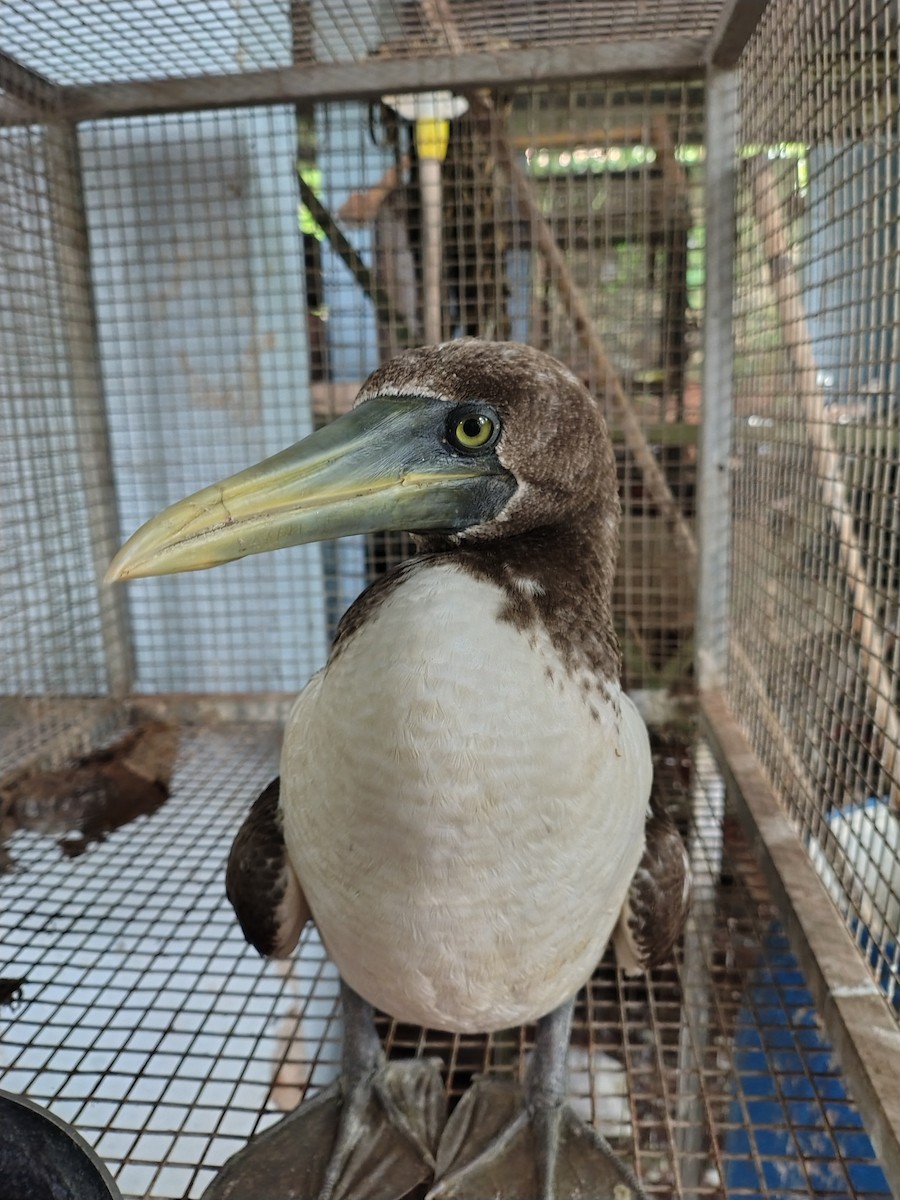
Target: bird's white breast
[(464, 826)]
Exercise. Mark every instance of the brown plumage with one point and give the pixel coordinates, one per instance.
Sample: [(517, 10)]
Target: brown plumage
[(553, 548), (260, 882), (658, 900)]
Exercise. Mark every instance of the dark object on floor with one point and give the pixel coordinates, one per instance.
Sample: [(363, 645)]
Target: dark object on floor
[(83, 802), (42, 1158), (10, 991)]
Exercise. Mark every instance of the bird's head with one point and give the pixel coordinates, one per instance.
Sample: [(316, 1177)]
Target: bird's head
[(465, 442)]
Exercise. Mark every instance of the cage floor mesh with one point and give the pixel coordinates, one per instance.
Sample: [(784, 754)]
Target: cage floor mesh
[(146, 1021)]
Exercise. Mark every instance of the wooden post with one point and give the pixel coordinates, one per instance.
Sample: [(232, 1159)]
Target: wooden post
[(83, 355)]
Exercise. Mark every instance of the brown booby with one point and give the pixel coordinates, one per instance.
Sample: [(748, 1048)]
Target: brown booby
[(463, 804)]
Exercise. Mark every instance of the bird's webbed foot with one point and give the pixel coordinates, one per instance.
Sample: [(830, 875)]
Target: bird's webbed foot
[(372, 1135), (387, 1131), (498, 1145), (507, 1142)]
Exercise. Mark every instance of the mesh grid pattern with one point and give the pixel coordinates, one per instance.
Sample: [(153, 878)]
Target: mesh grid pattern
[(816, 570), (149, 1024), (217, 327), (619, 174), (201, 310), (169, 317), (614, 177), (97, 42), (48, 599)]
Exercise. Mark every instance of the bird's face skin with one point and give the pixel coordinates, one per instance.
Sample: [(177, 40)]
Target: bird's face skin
[(464, 442), (553, 437)]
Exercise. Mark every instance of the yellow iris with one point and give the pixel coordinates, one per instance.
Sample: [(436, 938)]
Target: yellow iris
[(473, 431)]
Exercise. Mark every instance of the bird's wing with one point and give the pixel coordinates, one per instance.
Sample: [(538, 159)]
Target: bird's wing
[(658, 900), (260, 881)]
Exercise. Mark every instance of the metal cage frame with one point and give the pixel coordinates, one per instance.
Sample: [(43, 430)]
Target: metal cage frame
[(860, 1023)]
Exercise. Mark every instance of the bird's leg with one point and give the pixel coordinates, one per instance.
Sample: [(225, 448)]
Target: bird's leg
[(512, 1144), (372, 1135), (545, 1092), (361, 1056), (406, 1097)]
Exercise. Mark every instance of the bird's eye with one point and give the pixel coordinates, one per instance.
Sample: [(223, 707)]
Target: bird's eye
[(473, 430)]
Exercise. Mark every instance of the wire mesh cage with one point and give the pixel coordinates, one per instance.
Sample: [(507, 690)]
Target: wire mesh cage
[(149, 1024), (216, 220), (814, 654)]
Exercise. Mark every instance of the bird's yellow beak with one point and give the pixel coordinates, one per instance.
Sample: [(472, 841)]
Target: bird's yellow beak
[(386, 465)]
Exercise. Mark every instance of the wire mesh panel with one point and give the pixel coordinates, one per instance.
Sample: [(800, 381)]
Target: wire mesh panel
[(816, 571), (170, 314), (492, 24), (618, 174), (201, 308), (49, 598), (146, 1021), (95, 41), (58, 634), (217, 324), (548, 199)]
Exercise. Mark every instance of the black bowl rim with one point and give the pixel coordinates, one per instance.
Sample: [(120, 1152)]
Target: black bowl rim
[(70, 1132)]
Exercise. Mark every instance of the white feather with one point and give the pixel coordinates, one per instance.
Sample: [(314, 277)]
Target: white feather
[(464, 828)]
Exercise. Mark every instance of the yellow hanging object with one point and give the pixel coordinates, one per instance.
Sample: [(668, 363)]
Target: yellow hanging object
[(432, 136)]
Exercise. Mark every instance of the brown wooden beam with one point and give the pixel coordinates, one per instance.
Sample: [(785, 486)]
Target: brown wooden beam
[(657, 58), (27, 95), (81, 339), (734, 28)]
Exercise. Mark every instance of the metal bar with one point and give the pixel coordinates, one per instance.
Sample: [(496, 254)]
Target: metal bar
[(83, 354), (681, 57), (734, 28), (857, 1016), (714, 481)]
